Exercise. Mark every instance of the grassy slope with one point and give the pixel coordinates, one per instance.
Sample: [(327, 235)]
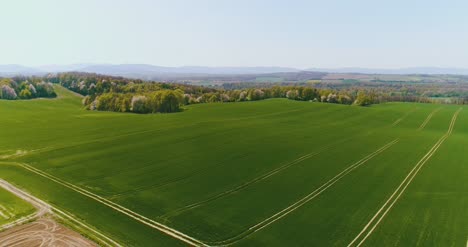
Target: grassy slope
[(157, 164), (434, 210)]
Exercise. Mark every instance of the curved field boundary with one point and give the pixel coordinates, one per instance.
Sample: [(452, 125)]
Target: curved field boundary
[(140, 218), (421, 127), (382, 212), (270, 220)]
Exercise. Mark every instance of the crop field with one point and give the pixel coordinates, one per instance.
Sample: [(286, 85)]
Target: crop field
[(12, 208), (267, 173)]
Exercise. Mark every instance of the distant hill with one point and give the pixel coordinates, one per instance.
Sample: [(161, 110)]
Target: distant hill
[(141, 70), (402, 71), (144, 69), (13, 69), (152, 72)]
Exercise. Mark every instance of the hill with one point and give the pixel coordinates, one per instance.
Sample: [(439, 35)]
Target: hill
[(266, 173)]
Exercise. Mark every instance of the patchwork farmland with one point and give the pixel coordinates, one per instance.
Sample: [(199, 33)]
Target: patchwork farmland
[(267, 173)]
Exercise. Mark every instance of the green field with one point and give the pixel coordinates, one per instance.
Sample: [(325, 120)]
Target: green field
[(12, 208), (267, 173)]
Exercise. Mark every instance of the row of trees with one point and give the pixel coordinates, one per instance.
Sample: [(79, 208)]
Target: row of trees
[(302, 93), (25, 88), (164, 101), (108, 93)]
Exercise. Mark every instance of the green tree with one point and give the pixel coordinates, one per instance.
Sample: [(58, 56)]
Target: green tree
[(362, 99), (25, 94)]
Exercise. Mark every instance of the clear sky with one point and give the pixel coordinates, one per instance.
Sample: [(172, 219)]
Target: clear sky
[(302, 34)]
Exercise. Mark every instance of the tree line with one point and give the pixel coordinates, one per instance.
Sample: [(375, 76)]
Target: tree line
[(25, 88), (110, 93)]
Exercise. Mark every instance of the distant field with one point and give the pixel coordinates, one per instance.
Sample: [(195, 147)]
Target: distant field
[(12, 208), (267, 173)]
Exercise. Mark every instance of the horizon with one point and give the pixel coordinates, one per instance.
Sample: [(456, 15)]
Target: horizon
[(298, 34), (234, 66)]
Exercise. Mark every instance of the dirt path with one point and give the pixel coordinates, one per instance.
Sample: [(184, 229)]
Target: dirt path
[(42, 208), (119, 208), (43, 232), (47, 209), (270, 220), (383, 211)]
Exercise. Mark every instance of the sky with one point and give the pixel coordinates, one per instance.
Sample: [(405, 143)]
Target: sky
[(290, 33)]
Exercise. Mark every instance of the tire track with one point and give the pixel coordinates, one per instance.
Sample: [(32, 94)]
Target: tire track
[(421, 127), (248, 183), (387, 206), (270, 220), (140, 218), (44, 232), (404, 116), (43, 208)]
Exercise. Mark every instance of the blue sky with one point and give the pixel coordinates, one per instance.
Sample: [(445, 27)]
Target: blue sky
[(302, 34)]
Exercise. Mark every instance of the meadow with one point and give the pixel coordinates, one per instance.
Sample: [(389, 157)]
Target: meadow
[(266, 173)]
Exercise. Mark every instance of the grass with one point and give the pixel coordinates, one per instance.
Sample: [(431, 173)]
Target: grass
[(215, 170), (13, 208)]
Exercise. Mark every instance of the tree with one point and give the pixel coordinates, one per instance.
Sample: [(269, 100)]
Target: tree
[(309, 94), (243, 96), (292, 94), (8, 93), (256, 94), (25, 94), (170, 101), (32, 89), (138, 104), (362, 99)]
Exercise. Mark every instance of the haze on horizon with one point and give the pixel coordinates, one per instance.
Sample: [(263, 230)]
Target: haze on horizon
[(299, 34)]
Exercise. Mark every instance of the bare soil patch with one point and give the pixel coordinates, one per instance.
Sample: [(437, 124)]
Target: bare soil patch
[(43, 232)]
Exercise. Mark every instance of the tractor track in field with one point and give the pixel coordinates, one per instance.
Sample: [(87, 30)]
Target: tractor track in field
[(119, 208), (173, 180), (291, 208), (196, 172), (41, 208), (426, 121), (43, 232), (387, 206), (403, 117), (255, 180), (251, 182), (44, 208)]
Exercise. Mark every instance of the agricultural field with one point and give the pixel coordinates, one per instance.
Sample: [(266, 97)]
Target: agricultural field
[(275, 172), (12, 208)]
